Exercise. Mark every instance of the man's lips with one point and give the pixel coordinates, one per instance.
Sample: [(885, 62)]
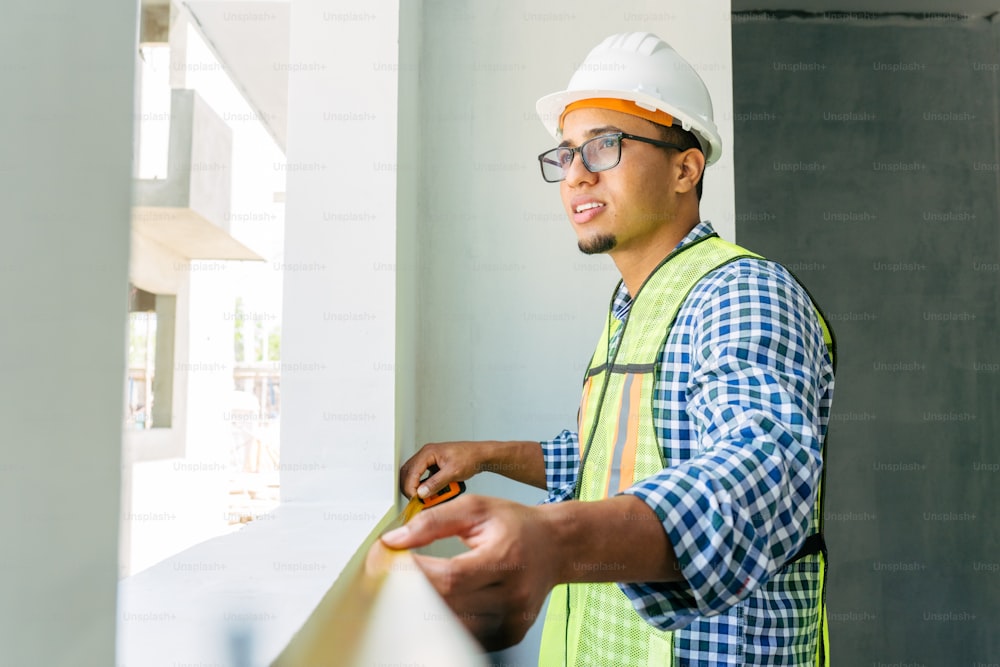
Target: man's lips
[(585, 209)]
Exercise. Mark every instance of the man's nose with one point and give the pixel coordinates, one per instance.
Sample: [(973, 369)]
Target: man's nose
[(577, 172)]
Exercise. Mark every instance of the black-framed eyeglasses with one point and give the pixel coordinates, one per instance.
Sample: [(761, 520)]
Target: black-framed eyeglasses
[(599, 154)]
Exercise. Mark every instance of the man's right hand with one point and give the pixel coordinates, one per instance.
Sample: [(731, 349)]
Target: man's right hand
[(457, 461)]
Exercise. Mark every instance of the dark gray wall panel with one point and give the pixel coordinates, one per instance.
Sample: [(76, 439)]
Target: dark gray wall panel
[(866, 161)]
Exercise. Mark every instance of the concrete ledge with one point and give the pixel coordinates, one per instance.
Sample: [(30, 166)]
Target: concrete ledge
[(189, 234), (238, 599)]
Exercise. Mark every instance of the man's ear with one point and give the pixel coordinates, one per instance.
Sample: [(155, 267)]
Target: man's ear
[(690, 166)]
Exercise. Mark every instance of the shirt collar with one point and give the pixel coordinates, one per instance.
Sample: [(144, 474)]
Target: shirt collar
[(623, 301)]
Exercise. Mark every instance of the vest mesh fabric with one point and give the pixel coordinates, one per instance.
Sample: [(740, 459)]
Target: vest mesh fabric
[(620, 448)]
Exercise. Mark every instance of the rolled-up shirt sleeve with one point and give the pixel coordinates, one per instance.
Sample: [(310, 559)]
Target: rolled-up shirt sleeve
[(742, 506), (562, 463)]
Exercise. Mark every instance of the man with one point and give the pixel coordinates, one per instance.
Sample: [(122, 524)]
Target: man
[(683, 521)]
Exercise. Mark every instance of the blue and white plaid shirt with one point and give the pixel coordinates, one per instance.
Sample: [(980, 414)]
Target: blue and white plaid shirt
[(741, 405)]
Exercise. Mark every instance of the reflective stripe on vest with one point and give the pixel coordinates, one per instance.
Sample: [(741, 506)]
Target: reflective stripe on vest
[(595, 624)]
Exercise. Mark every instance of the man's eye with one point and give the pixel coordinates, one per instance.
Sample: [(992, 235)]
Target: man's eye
[(565, 157), (608, 142)]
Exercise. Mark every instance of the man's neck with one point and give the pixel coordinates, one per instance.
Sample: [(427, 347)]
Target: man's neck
[(636, 264)]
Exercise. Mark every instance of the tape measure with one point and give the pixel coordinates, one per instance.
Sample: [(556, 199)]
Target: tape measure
[(453, 490)]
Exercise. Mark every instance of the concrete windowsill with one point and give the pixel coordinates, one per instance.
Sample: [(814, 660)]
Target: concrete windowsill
[(238, 599)]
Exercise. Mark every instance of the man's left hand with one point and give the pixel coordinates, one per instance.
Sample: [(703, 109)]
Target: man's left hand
[(497, 587)]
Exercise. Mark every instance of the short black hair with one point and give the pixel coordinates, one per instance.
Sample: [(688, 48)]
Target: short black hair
[(675, 134)]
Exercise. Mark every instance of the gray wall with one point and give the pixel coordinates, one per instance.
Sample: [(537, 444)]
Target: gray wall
[(66, 119), (508, 310), (866, 160)]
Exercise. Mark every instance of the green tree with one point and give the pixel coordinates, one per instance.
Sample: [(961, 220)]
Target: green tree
[(258, 341), (238, 320), (274, 344)]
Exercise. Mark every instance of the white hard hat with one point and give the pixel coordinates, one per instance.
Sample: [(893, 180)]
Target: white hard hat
[(641, 68)]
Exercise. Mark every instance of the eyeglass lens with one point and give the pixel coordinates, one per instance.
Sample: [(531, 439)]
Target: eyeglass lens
[(599, 154)]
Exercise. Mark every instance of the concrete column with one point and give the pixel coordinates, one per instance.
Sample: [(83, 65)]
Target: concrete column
[(67, 124), (338, 346)]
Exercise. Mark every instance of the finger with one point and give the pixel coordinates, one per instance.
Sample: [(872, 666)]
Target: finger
[(411, 472), (488, 618), (378, 558), (434, 483), (457, 578), (491, 619), (452, 518), (406, 487), (473, 597), (481, 620)]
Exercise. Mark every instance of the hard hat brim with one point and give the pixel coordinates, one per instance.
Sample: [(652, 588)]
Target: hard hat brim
[(550, 108)]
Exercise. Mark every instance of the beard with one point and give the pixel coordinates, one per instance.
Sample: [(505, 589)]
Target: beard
[(597, 244)]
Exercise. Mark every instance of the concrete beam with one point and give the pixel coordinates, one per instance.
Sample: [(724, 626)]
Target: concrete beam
[(154, 23)]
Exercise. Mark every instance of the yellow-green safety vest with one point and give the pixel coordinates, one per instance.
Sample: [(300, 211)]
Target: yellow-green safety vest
[(595, 623)]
